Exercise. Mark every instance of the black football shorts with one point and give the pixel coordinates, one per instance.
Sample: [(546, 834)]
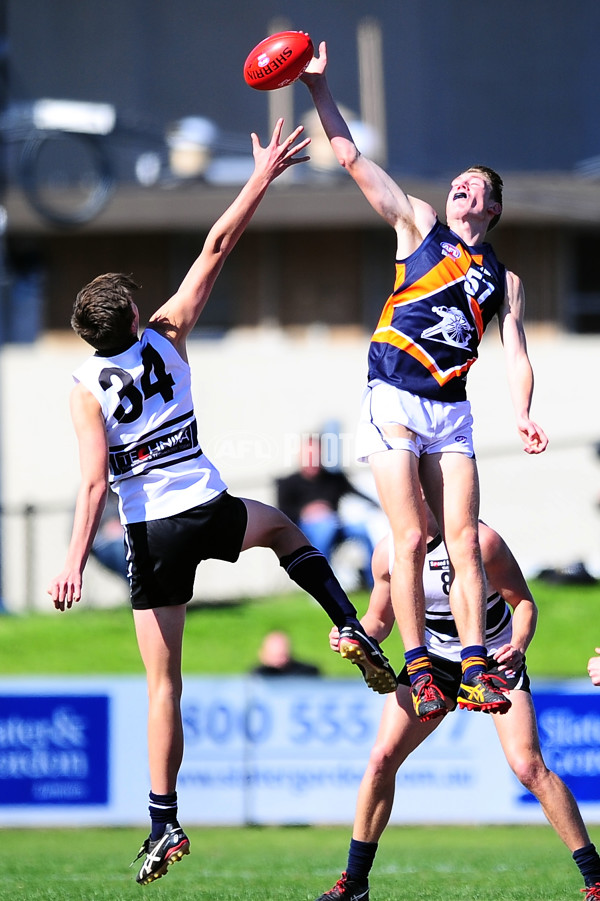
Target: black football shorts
[(447, 675), (164, 554)]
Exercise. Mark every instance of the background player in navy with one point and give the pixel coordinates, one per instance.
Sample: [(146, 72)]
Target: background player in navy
[(416, 423), (401, 732), (134, 418)]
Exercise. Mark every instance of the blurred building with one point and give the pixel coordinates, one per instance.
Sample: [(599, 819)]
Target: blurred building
[(511, 86), (430, 87)]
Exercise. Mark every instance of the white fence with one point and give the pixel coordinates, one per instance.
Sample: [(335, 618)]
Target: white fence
[(256, 392)]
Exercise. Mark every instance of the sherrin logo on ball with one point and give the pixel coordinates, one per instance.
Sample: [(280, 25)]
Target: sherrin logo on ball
[(278, 60)]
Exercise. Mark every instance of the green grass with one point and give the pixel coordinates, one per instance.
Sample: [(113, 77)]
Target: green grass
[(218, 638), (281, 864), (225, 638), (291, 864), (568, 629)]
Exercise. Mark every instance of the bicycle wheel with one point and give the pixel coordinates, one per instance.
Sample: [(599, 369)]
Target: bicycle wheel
[(66, 177)]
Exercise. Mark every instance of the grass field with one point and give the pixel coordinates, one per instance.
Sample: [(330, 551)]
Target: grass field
[(292, 864), (225, 639), (281, 864)]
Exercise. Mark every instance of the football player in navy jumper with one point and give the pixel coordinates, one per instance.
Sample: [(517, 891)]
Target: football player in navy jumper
[(416, 425)]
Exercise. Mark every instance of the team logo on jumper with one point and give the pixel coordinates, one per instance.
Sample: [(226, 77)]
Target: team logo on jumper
[(453, 327), (449, 250), (153, 449)]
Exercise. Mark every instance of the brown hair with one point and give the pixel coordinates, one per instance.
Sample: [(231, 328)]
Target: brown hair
[(103, 313)]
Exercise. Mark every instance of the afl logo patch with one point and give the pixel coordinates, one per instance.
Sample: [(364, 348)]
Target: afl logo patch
[(449, 250)]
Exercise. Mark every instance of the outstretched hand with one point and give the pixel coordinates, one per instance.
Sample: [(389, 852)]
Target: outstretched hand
[(316, 66), (279, 154)]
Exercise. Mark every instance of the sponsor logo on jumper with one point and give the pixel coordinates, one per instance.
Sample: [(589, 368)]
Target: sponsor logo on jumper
[(158, 448), (439, 564), (449, 250)]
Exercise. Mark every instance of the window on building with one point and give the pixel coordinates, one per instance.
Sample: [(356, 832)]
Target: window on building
[(583, 310)]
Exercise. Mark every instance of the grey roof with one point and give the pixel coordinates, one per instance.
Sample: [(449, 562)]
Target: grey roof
[(532, 199)]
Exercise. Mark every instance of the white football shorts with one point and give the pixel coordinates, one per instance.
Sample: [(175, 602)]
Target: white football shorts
[(439, 427)]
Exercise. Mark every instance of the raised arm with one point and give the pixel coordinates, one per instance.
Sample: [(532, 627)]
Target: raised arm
[(379, 619), (412, 218), (176, 318), (86, 413), (520, 373), (505, 576)]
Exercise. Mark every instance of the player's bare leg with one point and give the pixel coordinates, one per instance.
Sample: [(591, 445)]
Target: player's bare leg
[(400, 732), (451, 485), (159, 634), (397, 480), (452, 489), (396, 474), (518, 736)]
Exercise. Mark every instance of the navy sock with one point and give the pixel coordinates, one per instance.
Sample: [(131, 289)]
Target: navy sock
[(417, 663), (360, 859), (473, 661), (163, 810), (310, 570), (588, 861)]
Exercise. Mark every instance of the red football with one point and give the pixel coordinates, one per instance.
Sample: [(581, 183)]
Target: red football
[(278, 60)]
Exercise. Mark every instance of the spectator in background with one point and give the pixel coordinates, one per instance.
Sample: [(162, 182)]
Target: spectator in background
[(276, 658), (312, 496), (594, 668)]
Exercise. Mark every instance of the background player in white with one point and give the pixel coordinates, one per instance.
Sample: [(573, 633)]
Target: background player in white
[(415, 403), (400, 731), (133, 414)]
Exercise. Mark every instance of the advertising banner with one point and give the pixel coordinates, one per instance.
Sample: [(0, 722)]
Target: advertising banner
[(271, 751), (54, 749)]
